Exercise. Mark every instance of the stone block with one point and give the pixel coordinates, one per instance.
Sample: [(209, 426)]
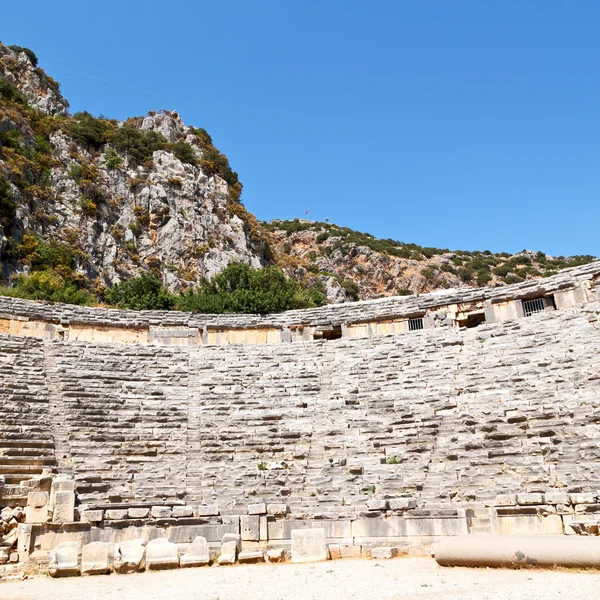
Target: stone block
[(197, 554), (37, 507), (161, 512), (64, 560), (92, 516), (95, 558), (257, 509), (264, 528), (335, 552), (583, 498), (556, 498), (250, 528), (129, 556), (308, 545), (138, 513), (4, 554), (505, 500), (276, 555), (376, 504), (350, 551), (277, 509), (251, 556), (183, 511), (382, 553), (117, 514), (233, 537), (530, 498), (24, 540), (64, 507), (228, 553), (210, 510), (403, 503), (161, 554)]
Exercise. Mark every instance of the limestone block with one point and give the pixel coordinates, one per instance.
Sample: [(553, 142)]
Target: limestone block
[(197, 554), (64, 507), (95, 558), (60, 484), (276, 555), (350, 551), (250, 528), (117, 514), (403, 503), (531, 498), (64, 559), (129, 556), (210, 510), (277, 509), (136, 513), (583, 498), (335, 552), (257, 509), (37, 507), (556, 498), (376, 504), (251, 556), (228, 553), (233, 537), (4, 554), (161, 512), (24, 540), (161, 554), (92, 516), (308, 545), (183, 511), (382, 553), (505, 500)]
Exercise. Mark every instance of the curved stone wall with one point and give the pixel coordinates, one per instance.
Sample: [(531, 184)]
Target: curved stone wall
[(443, 431)]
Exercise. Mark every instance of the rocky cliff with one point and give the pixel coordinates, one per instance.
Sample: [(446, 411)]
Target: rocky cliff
[(117, 198), (93, 202)]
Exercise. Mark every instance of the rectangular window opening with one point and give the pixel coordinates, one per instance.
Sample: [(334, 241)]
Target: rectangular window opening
[(535, 305), (415, 324)]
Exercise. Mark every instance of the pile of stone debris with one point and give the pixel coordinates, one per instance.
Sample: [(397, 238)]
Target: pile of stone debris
[(9, 521)]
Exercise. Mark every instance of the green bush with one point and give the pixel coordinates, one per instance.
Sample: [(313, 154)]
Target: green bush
[(7, 202), (240, 288), (113, 160), (351, 289), (404, 292), (185, 153), (10, 93), (89, 131), (140, 293), (138, 144), (47, 285), (30, 53)]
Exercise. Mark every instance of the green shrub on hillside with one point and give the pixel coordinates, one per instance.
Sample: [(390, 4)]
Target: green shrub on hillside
[(138, 144), (89, 131), (185, 153), (7, 203), (47, 285), (30, 53), (240, 288), (140, 293), (10, 93)]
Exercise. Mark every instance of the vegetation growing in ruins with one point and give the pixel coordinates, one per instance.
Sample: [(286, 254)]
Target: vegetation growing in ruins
[(237, 289)]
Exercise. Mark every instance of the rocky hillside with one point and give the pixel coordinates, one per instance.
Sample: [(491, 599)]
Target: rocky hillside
[(90, 202), (104, 200), (354, 265)]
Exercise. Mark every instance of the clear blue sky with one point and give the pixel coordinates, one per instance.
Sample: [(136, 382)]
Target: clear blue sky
[(468, 124)]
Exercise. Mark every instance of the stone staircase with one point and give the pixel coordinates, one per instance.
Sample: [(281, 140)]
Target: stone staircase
[(26, 446)]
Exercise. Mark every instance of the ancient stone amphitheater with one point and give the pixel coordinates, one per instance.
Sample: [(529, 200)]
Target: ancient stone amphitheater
[(164, 439)]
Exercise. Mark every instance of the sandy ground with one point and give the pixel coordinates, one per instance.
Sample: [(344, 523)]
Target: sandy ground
[(403, 578)]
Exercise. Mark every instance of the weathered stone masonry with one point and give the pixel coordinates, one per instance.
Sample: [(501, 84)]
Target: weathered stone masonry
[(385, 439)]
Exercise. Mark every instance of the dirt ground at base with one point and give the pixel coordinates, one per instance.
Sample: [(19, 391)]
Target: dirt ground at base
[(398, 579)]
